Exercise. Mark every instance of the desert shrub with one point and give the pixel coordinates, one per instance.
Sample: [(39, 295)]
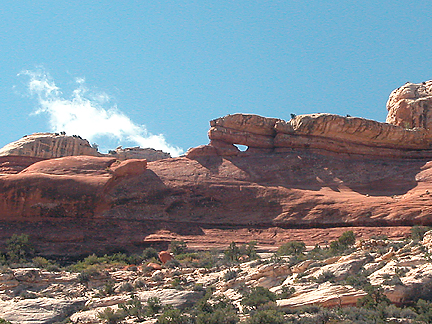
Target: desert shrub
[(205, 259), (325, 276), (249, 250), (375, 296), (266, 316), (341, 245), (232, 253), (292, 248), (173, 316), (139, 283), (258, 296), (153, 306), (107, 289), (424, 310), (45, 264), (347, 238), (19, 248), (112, 317), (172, 264), (286, 292), (217, 310), (177, 247), (230, 274), (150, 253), (101, 262), (126, 287), (417, 232), (3, 321), (85, 275), (198, 287), (358, 280)]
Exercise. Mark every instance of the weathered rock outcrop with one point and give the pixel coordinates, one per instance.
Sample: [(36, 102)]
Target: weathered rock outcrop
[(333, 133), (49, 145), (54, 145), (407, 133), (410, 106), (138, 153)]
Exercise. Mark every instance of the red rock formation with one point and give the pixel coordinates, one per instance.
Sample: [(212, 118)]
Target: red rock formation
[(315, 171), (351, 135), (165, 256)]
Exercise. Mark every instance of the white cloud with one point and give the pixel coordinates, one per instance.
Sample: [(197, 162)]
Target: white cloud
[(89, 115)]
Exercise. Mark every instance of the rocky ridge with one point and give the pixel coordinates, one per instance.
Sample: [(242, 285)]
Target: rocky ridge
[(56, 145), (406, 134)]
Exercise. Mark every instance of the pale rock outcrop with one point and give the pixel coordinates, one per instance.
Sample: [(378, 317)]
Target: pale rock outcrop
[(149, 154), (49, 145), (341, 269), (39, 311), (326, 295), (427, 241), (410, 106)]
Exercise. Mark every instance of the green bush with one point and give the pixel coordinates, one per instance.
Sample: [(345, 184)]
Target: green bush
[(178, 247), (230, 274), (218, 310), (45, 264), (19, 248), (232, 253), (258, 296), (173, 316), (291, 248), (150, 253), (266, 317), (347, 238), (112, 317), (417, 232)]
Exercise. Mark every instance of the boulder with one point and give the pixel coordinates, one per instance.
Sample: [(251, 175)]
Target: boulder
[(165, 256), (410, 106), (132, 167)]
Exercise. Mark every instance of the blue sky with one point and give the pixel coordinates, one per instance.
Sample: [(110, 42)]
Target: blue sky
[(168, 67)]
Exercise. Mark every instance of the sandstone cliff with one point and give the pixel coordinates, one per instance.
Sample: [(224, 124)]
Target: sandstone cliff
[(332, 133), (312, 172)]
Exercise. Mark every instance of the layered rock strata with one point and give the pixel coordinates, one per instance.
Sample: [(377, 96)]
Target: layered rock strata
[(333, 133), (49, 145)]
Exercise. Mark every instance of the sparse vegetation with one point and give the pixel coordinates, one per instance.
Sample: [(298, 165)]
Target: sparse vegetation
[(256, 304), (292, 248), (417, 232)]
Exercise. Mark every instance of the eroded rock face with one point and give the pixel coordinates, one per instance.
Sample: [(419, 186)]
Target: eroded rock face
[(333, 133), (138, 153), (410, 106), (49, 145)]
